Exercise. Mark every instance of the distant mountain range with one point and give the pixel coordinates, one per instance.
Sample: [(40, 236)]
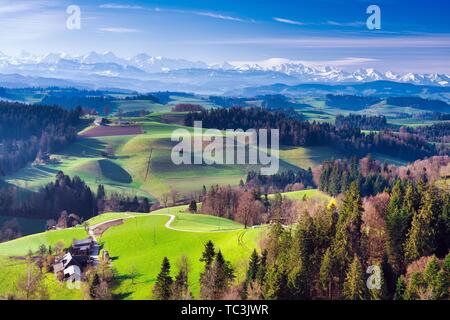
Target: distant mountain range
[(147, 73)]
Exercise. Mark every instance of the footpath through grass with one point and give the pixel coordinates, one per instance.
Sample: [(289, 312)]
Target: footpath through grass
[(142, 242)]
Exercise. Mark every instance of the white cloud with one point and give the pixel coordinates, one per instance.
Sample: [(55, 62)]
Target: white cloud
[(120, 6), (208, 14), (119, 30), (216, 16), (288, 21), (345, 24)]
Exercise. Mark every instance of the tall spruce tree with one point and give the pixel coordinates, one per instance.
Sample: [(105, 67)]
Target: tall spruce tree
[(253, 267), (162, 289), (208, 253), (262, 268), (348, 229), (276, 284), (326, 273), (397, 226), (354, 286), (421, 239)]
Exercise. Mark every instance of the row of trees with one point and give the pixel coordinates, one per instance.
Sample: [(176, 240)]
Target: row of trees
[(241, 205), (361, 121), (70, 194), (295, 132), (438, 132), (215, 280), (337, 175), (279, 181), (373, 176)]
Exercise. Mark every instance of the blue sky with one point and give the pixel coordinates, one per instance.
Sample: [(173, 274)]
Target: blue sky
[(414, 35)]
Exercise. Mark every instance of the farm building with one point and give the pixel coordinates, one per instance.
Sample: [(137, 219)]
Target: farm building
[(100, 121), (82, 247), (80, 255), (70, 266)]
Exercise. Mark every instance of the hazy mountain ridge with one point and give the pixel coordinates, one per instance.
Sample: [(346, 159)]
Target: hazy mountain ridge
[(142, 70)]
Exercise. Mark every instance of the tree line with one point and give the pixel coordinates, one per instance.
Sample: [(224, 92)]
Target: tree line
[(294, 132), (361, 121), (283, 181), (399, 238), (374, 176), (67, 194), (27, 130)]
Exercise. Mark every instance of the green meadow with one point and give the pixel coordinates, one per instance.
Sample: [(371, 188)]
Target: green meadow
[(140, 244)]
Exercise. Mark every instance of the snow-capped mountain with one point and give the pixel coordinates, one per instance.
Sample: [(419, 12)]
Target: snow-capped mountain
[(160, 64), (143, 67)]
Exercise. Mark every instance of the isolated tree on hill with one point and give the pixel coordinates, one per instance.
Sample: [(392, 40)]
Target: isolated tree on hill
[(326, 273), (163, 286), (208, 253), (354, 286), (193, 206), (422, 235)]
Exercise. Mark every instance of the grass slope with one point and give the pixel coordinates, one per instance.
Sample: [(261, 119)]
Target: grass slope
[(140, 242), (12, 268), (143, 241)]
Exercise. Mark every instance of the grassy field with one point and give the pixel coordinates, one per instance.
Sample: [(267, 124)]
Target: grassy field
[(140, 242), (142, 164), (307, 157), (137, 105), (309, 194), (13, 268), (150, 241), (21, 246)]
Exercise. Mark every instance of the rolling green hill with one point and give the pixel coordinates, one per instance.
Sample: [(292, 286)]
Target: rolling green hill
[(143, 241), (140, 242)]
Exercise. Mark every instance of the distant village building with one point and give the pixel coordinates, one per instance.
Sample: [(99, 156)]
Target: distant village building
[(100, 121), (122, 122)]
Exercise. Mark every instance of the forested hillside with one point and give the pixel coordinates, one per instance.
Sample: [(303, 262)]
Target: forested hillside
[(27, 130)]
